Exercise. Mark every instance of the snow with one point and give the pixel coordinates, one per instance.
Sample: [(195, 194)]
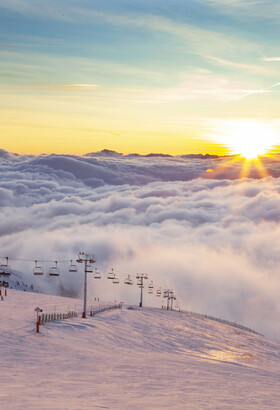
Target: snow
[(130, 358)]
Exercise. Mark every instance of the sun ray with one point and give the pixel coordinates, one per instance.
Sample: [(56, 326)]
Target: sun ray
[(245, 170), (217, 171)]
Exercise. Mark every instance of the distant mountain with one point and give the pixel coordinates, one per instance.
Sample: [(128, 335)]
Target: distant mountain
[(199, 156), (158, 155), (104, 153), (111, 153), (134, 155)]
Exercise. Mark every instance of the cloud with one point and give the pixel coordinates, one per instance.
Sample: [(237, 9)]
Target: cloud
[(252, 68), (260, 91), (271, 59), (255, 9), (213, 240)]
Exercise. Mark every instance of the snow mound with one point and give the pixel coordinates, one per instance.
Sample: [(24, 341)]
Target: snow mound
[(130, 359)]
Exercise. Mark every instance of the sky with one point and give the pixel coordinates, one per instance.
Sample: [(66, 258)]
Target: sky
[(139, 76)]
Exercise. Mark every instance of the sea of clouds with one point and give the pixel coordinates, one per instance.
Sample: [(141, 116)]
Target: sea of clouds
[(212, 237)]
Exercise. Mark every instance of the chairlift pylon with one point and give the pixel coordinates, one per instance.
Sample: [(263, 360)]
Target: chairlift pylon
[(54, 271), (38, 270)]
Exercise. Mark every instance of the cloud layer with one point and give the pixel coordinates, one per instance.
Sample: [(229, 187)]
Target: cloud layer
[(210, 236)]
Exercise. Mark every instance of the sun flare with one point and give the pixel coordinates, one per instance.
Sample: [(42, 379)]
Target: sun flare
[(250, 139)]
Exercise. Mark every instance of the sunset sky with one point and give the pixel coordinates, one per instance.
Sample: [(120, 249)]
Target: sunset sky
[(170, 76)]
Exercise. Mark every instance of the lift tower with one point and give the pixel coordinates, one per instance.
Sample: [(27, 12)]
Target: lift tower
[(87, 259), (140, 282)]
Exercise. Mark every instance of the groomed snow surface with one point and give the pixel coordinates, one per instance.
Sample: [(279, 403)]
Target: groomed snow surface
[(130, 358)]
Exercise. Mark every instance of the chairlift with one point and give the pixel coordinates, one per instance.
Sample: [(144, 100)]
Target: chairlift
[(151, 288), (72, 267), (158, 294), (151, 285), (116, 280), (128, 280), (54, 271), (97, 274), (111, 275), (5, 269), (38, 270), (89, 268)]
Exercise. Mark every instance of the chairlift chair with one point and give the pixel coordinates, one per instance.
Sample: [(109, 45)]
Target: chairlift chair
[(128, 280), (116, 280), (158, 294), (111, 275), (5, 269), (89, 269), (54, 271), (97, 274), (72, 267), (38, 270), (151, 285)]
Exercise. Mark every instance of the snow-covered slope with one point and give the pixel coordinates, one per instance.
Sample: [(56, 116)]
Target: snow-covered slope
[(20, 281), (130, 359)]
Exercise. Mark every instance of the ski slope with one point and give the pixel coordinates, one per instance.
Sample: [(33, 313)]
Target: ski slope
[(130, 358)]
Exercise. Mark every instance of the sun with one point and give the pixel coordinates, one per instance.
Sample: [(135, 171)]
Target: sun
[(249, 139)]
